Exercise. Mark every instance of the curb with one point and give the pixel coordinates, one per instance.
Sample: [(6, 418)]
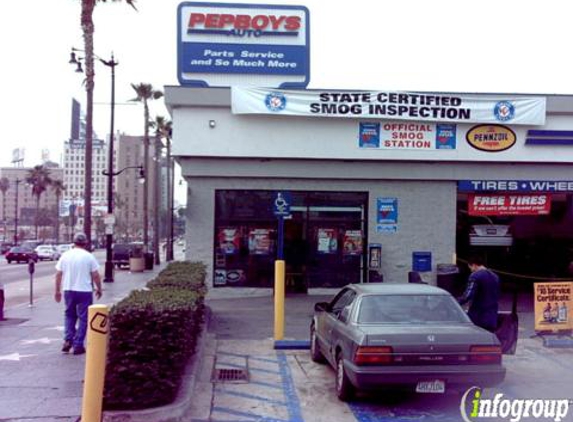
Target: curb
[(179, 410), (292, 344)]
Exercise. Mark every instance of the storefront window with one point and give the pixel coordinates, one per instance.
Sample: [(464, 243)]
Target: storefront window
[(323, 243)]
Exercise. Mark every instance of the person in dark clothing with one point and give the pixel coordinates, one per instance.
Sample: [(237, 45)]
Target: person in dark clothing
[(483, 292)]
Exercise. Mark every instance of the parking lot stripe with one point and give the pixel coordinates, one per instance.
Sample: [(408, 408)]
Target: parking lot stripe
[(267, 384), (239, 355), (293, 404), (286, 405), (250, 415), (266, 371), (250, 396), (365, 412)]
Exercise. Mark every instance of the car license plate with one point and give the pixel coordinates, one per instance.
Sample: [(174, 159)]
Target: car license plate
[(435, 386)]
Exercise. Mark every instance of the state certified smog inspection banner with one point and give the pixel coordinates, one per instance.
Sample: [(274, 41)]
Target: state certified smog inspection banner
[(390, 105)]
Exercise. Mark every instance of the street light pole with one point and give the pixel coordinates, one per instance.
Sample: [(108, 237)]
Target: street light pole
[(172, 208), (169, 249), (17, 181), (108, 275)]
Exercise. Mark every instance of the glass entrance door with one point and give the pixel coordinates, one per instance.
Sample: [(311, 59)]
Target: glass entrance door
[(335, 245)]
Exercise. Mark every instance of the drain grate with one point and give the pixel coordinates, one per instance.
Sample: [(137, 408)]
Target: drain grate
[(231, 375), (234, 369)]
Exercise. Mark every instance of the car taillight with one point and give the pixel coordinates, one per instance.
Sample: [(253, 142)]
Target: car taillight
[(373, 355), (485, 354)]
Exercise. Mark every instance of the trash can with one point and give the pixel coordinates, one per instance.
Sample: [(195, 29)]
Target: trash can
[(447, 278), (148, 260), (415, 277), (375, 277), (136, 264)]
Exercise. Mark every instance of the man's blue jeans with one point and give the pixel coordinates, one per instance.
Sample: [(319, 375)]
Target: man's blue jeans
[(77, 304)]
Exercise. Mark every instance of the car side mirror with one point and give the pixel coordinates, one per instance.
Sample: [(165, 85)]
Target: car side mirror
[(322, 307)]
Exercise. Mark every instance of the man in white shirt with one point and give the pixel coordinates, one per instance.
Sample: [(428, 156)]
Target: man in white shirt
[(77, 275)]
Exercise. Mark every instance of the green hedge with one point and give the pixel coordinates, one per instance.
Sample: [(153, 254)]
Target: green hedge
[(152, 335), (182, 275)]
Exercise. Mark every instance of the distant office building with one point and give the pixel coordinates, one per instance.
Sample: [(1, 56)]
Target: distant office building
[(20, 193), (128, 192), (74, 161)]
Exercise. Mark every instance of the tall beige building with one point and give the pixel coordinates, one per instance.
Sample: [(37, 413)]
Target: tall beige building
[(74, 170), (128, 189)]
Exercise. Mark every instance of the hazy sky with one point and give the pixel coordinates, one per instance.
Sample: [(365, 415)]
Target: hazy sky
[(416, 45)]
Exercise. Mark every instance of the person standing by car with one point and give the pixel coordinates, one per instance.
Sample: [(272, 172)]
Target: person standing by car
[(77, 275), (483, 292)]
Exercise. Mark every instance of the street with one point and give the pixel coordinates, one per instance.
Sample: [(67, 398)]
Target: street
[(16, 280)]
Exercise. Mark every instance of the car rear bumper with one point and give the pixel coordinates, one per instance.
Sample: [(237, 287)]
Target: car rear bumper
[(455, 376)]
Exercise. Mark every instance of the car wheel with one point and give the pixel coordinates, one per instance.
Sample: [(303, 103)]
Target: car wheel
[(9, 262), (315, 353), (344, 388)]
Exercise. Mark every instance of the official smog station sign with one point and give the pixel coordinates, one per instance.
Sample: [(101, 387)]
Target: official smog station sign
[(223, 44), (390, 105), (508, 204), (407, 135)]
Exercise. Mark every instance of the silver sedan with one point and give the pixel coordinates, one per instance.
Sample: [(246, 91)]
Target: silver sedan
[(402, 336)]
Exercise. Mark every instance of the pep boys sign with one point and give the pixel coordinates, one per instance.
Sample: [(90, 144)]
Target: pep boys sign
[(221, 44)]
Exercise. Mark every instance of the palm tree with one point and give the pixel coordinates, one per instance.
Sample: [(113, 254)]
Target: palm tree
[(162, 130), (165, 128), (146, 92), (4, 186), (58, 187), (88, 28), (39, 178)]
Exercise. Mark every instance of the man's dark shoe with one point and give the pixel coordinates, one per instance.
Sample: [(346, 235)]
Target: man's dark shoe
[(67, 346), (79, 350)]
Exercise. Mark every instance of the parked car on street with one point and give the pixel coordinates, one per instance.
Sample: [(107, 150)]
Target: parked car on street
[(121, 252), (31, 244), (402, 336), (47, 252), (63, 248), (20, 254), (5, 247)]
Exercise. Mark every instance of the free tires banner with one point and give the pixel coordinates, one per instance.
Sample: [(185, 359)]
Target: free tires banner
[(508, 204)]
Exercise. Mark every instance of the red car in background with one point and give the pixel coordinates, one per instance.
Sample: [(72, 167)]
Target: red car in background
[(19, 254)]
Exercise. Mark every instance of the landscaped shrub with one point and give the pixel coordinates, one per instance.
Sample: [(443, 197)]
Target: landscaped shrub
[(182, 275), (152, 335)]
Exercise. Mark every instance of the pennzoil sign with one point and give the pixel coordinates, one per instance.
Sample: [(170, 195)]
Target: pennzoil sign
[(491, 138)]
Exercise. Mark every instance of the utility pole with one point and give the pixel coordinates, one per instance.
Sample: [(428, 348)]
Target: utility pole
[(17, 181)]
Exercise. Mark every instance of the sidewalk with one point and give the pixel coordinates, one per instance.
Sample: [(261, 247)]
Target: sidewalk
[(38, 381)]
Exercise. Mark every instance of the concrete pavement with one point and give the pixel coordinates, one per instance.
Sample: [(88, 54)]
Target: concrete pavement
[(38, 382), (286, 386)]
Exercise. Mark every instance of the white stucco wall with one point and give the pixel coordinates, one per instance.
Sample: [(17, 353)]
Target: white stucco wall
[(426, 220)]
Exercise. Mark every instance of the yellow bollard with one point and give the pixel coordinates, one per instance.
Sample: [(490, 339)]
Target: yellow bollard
[(98, 327), (279, 300)]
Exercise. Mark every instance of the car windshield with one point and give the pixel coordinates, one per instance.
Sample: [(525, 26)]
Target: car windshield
[(410, 309)]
